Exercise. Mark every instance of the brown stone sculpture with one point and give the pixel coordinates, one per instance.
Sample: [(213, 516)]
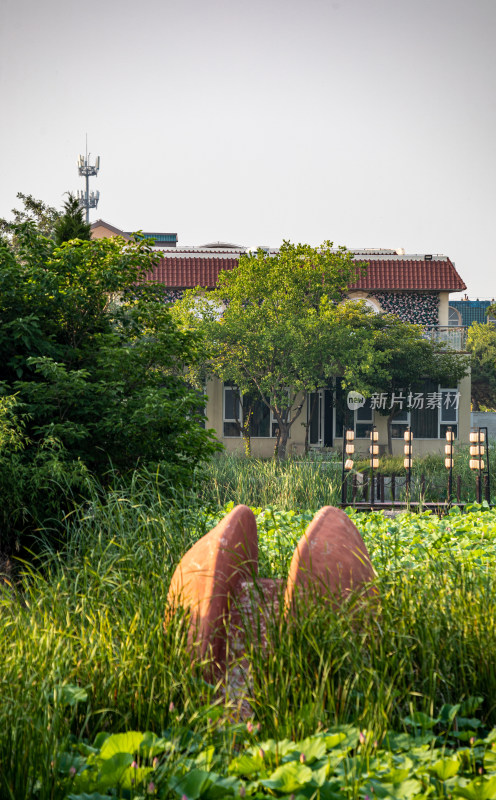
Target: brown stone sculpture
[(216, 581), (330, 559), (209, 576)]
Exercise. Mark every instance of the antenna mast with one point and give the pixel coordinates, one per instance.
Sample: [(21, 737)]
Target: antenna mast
[(86, 199)]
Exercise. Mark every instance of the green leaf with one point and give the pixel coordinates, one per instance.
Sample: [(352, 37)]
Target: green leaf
[(246, 764), (479, 789), (312, 748), (420, 720), (85, 796), (191, 785), (121, 743), (69, 694), (445, 768), (134, 776), (398, 791), (289, 777), (112, 770)]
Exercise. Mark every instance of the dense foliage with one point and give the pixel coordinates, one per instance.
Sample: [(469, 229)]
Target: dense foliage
[(271, 325), (481, 344), (277, 328), (71, 224), (90, 377), (400, 702)]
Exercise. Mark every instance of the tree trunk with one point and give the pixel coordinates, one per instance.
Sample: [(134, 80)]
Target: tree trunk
[(283, 441)]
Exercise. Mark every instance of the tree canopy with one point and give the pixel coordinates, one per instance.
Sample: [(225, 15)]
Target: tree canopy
[(481, 344), (43, 216), (277, 333), (403, 358), (89, 370), (71, 224), (277, 325)]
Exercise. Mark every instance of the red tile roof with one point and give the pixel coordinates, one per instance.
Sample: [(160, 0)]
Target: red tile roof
[(410, 274), (186, 272), (390, 274)]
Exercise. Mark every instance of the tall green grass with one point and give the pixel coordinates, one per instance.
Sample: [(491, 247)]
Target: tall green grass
[(294, 483), (315, 481), (90, 616)]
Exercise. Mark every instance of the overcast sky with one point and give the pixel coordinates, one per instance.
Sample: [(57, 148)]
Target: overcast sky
[(368, 122)]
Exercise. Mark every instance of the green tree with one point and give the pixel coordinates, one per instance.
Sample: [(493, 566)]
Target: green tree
[(71, 224), (43, 216), (481, 344), (97, 373), (274, 325), (403, 360)]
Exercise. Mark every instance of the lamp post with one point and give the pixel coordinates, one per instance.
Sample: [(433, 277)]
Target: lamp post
[(477, 439), (347, 465), (448, 460), (374, 460), (407, 461)]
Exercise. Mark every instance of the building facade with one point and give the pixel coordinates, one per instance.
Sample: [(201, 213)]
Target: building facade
[(416, 288)]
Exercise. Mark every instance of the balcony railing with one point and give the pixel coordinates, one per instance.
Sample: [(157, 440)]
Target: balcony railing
[(454, 336)]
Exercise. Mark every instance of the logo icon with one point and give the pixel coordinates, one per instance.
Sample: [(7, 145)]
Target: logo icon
[(355, 400)]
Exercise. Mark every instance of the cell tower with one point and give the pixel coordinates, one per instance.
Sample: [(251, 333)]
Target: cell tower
[(86, 199)]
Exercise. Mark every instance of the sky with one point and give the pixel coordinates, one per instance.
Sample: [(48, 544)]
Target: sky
[(371, 123)]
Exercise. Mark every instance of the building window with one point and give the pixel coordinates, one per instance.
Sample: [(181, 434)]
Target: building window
[(361, 420), (236, 410), (400, 423), (448, 416), (232, 412), (259, 415)]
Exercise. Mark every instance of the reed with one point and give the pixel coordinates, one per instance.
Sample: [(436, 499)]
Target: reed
[(83, 647)]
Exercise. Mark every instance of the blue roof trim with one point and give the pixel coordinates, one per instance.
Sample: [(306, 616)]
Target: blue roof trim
[(161, 237)]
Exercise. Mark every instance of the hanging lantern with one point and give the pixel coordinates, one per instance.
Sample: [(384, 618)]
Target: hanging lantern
[(348, 464), (448, 463), (350, 435), (476, 449), (374, 448)]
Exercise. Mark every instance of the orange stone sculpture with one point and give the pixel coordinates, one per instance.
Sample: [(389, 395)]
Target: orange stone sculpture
[(330, 559), (216, 580), (209, 576)]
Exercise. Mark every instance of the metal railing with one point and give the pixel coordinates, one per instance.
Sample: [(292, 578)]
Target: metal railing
[(454, 336)]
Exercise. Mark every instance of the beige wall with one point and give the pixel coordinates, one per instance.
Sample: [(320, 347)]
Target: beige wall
[(101, 232), (264, 447), (443, 308)]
